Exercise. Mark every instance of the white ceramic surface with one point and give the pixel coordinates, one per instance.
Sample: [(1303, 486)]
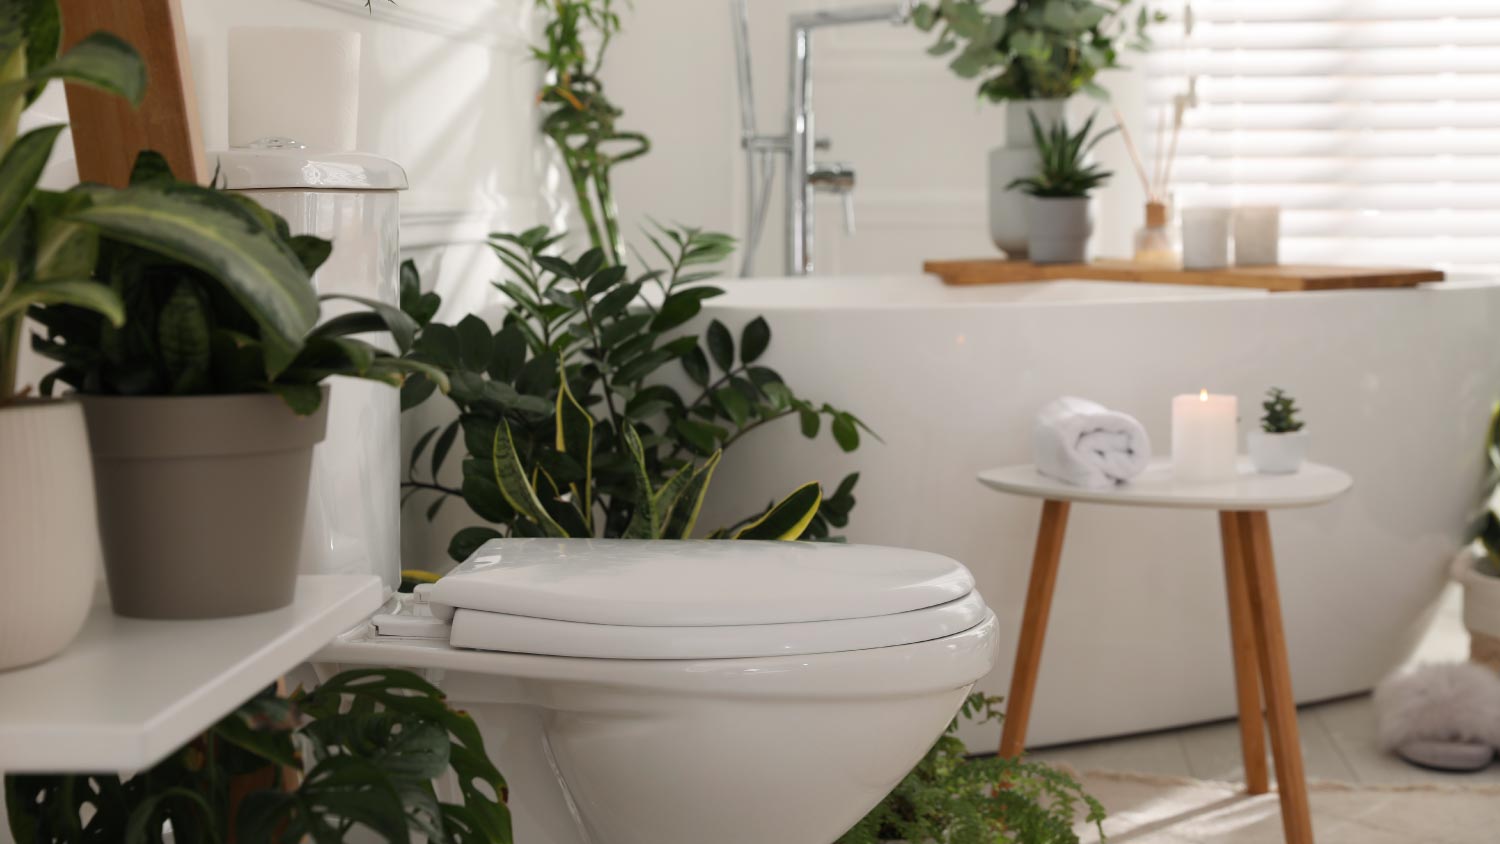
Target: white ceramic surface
[(494, 631), (49, 556), (1277, 454), (353, 523), (1205, 238), (952, 377), (129, 691), (1159, 486), (704, 582), (1016, 159), (786, 749)]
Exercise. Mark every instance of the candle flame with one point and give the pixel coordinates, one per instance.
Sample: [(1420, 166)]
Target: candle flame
[(1202, 395)]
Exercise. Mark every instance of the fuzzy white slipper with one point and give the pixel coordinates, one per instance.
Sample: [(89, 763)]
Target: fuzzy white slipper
[(1441, 716)]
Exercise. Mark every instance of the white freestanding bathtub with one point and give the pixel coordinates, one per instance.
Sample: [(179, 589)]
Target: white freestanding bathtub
[(1396, 386)]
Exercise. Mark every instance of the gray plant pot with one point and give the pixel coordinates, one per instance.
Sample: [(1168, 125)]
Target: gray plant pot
[(201, 500), (1060, 229)]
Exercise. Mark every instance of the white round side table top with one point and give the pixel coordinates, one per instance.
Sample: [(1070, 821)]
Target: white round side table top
[(1156, 487)]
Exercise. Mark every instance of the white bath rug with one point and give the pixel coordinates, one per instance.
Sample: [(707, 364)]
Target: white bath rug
[(1145, 809)]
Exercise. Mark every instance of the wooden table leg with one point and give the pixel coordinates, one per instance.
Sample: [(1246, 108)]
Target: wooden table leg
[(1049, 541), (1276, 676), (1244, 650)]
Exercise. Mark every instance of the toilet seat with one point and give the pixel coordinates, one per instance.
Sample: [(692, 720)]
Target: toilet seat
[(626, 599), (489, 631)]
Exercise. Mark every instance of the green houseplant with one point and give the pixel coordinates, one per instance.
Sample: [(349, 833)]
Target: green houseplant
[(570, 424), (371, 742), (204, 406), (957, 799), (1279, 447), (1032, 56), (1061, 221), (46, 483), (1477, 566)]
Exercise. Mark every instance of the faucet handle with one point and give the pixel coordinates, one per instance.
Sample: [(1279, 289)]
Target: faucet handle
[(836, 177), (823, 144), (848, 213)]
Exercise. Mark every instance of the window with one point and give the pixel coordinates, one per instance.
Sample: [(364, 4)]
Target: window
[(1374, 124)]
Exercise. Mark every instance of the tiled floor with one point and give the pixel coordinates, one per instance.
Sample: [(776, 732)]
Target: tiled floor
[(1338, 737)]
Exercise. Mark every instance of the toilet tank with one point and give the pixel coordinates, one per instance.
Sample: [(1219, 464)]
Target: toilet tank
[(353, 521)]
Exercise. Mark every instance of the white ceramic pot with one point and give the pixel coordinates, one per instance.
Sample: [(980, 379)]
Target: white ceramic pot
[(1015, 159), (1481, 605), (1060, 229), (49, 535), (1278, 454)]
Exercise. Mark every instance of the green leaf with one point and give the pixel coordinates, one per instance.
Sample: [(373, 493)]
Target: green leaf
[(439, 344), (303, 399), (467, 540), (80, 293), (205, 230), (19, 171), (101, 60), (721, 345), (402, 327), (696, 491), (788, 518), (575, 438), (701, 436), (441, 447), (844, 432), (182, 337), (151, 167), (419, 448), (514, 485), (645, 521), (754, 340), (474, 346), (507, 354), (695, 364), (810, 422)]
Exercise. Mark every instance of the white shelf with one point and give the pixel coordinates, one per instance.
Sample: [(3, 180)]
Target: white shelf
[(1156, 487), (129, 691)]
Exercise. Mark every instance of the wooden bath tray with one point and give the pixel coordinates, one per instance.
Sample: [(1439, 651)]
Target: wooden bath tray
[(1284, 277)]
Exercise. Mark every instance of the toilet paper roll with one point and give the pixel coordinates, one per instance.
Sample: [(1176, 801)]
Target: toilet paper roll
[(296, 83)]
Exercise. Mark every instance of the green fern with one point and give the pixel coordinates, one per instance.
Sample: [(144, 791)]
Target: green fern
[(953, 798)]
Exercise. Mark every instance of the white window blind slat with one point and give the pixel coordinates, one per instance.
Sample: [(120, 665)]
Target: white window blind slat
[(1375, 124)]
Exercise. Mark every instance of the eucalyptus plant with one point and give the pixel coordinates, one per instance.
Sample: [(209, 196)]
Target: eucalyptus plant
[(370, 741), (218, 298), (569, 413), (1063, 169), (579, 118), (43, 252), (958, 799), (1035, 49)]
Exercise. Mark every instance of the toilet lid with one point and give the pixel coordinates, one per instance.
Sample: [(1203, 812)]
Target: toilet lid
[(492, 631), (704, 583)]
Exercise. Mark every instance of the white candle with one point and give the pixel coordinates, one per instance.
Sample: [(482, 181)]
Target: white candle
[(1205, 238), (1257, 235), (1205, 436)]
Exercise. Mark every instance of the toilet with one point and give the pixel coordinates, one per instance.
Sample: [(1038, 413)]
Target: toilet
[(691, 692)]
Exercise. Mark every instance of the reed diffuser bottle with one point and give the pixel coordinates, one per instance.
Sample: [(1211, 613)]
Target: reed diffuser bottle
[(1156, 242)]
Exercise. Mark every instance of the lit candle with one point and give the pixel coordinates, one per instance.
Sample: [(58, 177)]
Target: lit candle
[(1205, 436)]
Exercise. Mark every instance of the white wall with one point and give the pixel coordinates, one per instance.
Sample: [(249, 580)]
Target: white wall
[(916, 134)]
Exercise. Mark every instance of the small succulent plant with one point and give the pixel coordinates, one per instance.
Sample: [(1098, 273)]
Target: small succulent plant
[(1281, 413), (1064, 170)]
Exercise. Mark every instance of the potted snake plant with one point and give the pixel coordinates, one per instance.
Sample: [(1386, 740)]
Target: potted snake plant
[(204, 406), (49, 538), (1060, 219)]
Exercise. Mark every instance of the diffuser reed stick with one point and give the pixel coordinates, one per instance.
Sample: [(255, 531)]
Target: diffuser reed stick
[(1135, 156)]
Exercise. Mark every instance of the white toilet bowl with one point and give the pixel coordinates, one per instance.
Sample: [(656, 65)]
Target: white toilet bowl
[(693, 692)]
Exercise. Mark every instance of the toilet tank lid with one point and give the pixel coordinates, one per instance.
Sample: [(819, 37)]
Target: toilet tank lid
[(678, 583), (247, 168)]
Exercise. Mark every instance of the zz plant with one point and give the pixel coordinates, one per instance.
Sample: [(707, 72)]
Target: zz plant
[(1035, 49), (45, 253), (570, 423), (1064, 170), (371, 742), (957, 799)]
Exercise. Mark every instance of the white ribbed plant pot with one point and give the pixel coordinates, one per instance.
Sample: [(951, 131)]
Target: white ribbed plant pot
[(1277, 454), (49, 534), (1060, 229), (1481, 607), (1016, 158)]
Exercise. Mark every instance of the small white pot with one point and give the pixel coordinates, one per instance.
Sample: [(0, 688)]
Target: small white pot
[(49, 534), (1060, 229), (1481, 605), (1278, 454)]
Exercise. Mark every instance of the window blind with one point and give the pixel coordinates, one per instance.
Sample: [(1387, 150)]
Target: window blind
[(1374, 124)]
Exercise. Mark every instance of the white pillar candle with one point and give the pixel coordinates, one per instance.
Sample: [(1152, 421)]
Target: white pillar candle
[(1257, 235), (1205, 238), (1205, 436), (296, 83)]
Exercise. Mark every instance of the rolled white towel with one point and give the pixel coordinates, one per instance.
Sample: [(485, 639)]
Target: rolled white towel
[(1086, 444)]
